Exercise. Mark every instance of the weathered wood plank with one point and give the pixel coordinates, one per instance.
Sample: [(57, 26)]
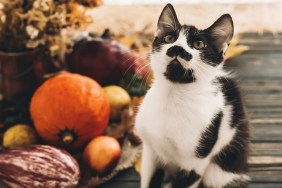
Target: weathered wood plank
[(263, 48), (263, 105), (262, 132), (265, 110), (267, 120), (129, 175), (261, 84), (265, 42), (256, 67), (261, 91), (266, 176), (113, 184), (265, 185), (265, 115), (266, 160), (269, 97), (266, 149), (259, 36)]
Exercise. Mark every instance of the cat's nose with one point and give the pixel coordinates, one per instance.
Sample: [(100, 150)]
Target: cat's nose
[(175, 51)]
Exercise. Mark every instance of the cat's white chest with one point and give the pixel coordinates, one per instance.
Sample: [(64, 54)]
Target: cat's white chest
[(171, 122)]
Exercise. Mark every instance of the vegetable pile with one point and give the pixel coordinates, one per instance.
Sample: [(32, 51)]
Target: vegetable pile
[(75, 121)]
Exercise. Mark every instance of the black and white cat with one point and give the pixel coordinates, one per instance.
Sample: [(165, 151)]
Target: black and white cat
[(192, 121)]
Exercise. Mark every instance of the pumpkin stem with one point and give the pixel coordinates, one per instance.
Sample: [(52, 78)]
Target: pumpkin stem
[(67, 137)]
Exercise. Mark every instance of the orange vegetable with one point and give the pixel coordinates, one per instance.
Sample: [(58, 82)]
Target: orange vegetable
[(69, 110)]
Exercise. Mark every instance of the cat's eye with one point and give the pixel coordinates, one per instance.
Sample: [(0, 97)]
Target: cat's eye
[(199, 44), (169, 39)]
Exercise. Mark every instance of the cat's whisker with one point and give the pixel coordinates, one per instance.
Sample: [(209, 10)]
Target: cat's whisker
[(204, 68), (131, 81), (133, 57), (201, 73), (138, 69), (223, 78), (206, 72), (142, 67), (145, 76), (132, 65), (128, 69), (145, 79)]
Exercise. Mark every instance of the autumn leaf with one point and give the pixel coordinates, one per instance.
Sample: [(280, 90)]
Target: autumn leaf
[(137, 165), (235, 49), (78, 15), (127, 40)]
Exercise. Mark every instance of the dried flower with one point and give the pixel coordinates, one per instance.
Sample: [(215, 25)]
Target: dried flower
[(28, 24), (43, 5), (32, 31), (35, 43)]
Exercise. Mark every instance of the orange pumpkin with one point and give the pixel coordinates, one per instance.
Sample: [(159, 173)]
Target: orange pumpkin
[(69, 110)]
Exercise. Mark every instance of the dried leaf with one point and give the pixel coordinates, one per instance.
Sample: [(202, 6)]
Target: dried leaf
[(119, 129), (137, 165), (127, 40), (234, 41), (235, 51)]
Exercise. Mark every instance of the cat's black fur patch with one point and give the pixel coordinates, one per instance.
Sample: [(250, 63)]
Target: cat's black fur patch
[(232, 97), (233, 157), (201, 185), (157, 179), (210, 54), (175, 51), (209, 137), (175, 72), (184, 179), (237, 184)]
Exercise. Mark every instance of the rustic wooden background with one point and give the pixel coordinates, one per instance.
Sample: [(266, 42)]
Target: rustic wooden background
[(260, 76)]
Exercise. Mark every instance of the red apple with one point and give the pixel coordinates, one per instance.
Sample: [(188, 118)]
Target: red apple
[(102, 154)]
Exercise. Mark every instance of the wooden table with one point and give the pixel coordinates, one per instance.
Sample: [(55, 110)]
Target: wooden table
[(260, 74)]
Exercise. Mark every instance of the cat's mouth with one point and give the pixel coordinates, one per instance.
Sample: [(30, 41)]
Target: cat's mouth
[(175, 72)]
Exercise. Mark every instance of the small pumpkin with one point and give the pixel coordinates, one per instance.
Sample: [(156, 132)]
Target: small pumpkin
[(69, 110)]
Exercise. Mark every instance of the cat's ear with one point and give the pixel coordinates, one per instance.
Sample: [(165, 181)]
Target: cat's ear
[(222, 32), (168, 21)]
